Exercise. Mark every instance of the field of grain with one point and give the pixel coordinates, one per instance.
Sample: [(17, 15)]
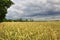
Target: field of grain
[(30, 31)]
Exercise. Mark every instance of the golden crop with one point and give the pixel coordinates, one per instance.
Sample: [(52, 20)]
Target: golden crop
[(30, 31)]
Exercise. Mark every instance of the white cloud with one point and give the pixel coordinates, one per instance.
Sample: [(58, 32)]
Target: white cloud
[(33, 8)]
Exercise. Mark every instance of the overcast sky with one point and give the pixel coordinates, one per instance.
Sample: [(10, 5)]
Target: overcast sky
[(35, 9)]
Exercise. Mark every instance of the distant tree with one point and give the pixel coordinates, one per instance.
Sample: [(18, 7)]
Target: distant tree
[(4, 5), (21, 20), (31, 20), (26, 20)]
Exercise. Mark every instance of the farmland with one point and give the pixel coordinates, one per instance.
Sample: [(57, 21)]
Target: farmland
[(30, 31)]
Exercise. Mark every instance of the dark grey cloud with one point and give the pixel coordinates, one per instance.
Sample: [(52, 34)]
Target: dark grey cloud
[(35, 9)]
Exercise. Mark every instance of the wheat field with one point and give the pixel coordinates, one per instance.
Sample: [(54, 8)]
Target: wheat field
[(30, 31)]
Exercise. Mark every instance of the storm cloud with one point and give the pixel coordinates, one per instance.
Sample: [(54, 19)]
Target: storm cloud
[(35, 9)]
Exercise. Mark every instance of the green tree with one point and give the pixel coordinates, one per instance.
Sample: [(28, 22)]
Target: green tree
[(4, 5)]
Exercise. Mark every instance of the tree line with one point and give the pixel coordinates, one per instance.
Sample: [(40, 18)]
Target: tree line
[(18, 20)]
